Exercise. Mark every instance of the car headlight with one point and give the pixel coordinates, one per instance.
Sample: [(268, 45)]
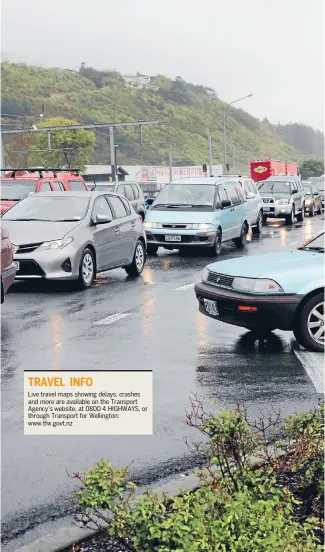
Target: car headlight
[(205, 275), (282, 201), (56, 244), (201, 226), (308, 201), (256, 285), (153, 225)]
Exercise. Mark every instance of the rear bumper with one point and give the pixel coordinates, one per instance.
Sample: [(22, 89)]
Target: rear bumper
[(271, 312)]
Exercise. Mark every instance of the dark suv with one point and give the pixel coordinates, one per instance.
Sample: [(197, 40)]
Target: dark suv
[(131, 190)]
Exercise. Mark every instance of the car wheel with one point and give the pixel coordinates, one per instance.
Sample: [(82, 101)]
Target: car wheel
[(142, 216), (320, 210), (241, 241), (86, 270), (301, 216), (309, 329), (259, 225), (139, 258), (291, 218), (216, 248), (264, 219), (152, 249)]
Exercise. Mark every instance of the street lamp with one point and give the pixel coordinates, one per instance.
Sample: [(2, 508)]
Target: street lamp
[(225, 129)]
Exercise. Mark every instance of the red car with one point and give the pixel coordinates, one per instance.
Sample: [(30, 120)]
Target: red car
[(8, 266), (20, 183)]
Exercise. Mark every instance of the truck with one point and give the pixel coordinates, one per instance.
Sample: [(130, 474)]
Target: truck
[(261, 169)]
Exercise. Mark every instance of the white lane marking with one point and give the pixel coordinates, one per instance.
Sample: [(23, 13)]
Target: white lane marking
[(185, 287), (314, 366), (112, 318)]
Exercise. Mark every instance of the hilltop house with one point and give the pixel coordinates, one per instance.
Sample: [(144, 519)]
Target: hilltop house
[(139, 82)]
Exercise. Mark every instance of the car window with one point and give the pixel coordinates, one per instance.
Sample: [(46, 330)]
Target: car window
[(251, 187), (58, 186), (129, 192), (46, 187), (126, 205), (121, 190), (118, 206), (101, 207), (223, 196), (77, 185), (294, 186), (234, 193), (135, 191), (246, 188)]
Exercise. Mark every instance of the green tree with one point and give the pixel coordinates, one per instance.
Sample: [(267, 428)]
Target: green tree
[(70, 148), (311, 167)]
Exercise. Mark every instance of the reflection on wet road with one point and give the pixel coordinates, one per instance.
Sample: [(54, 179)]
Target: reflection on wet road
[(51, 326)]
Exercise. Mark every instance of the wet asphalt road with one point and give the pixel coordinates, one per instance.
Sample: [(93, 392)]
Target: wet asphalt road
[(50, 326)]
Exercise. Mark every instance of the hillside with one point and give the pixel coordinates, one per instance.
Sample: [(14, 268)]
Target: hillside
[(187, 113)]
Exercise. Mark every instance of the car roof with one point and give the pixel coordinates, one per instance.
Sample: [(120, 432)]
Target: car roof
[(74, 194), (209, 181)]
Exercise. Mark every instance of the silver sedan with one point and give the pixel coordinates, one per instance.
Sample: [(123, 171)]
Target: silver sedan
[(75, 235)]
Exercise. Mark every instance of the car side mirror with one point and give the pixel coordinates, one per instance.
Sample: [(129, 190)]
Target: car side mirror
[(150, 201), (225, 203), (315, 194), (250, 195), (293, 192), (102, 219)]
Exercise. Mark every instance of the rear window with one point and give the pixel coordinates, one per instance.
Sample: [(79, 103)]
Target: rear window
[(77, 185), (14, 190)]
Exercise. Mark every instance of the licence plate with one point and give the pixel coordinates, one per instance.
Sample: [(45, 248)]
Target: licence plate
[(266, 209), (173, 238), (211, 307), (17, 266)]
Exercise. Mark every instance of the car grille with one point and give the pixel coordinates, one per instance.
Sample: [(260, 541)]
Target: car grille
[(27, 247), (29, 268), (220, 279), (175, 226), (268, 200)]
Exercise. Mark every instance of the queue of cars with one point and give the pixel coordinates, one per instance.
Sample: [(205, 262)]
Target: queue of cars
[(76, 235)]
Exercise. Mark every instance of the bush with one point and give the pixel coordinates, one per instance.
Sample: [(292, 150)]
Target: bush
[(239, 507)]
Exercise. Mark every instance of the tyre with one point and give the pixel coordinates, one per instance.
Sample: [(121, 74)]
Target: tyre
[(258, 228), (309, 329), (320, 210), (152, 249), (87, 270), (241, 241), (290, 218), (142, 216), (216, 248), (312, 212), (301, 216), (139, 258), (264, 219)]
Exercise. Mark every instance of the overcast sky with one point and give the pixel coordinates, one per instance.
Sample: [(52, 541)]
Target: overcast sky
[(273, 49)]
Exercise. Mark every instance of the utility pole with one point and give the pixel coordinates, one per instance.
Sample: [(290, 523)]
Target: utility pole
[(2, 155), (170, 164), (112, 148), (234, 159), (210, 155), (49, 141)]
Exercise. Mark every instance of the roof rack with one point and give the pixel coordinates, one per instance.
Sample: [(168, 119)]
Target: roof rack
[(40, 171)]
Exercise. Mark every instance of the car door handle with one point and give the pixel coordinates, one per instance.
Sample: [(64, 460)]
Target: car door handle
[(232, 209), (117, 230), (133, 224)]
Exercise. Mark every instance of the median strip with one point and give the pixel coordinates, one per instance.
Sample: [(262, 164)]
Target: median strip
[(313, 363)]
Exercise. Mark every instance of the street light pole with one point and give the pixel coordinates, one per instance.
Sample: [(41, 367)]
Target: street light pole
[(225, 129), (170, 164), (210, 155)]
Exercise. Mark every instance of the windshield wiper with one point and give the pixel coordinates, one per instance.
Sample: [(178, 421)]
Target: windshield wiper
[(306, 248)]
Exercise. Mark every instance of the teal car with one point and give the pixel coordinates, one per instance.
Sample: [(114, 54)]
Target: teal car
[(282, 290), (198, 212)]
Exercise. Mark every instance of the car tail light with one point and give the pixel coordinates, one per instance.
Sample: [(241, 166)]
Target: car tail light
[(246, 308)]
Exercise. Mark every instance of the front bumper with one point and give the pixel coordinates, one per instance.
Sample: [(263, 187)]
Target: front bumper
[(188, 238), (276, 211), (309, 207), (272, 312), (59, 264)]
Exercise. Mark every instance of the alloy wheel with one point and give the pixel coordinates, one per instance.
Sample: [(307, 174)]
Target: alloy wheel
[(139, 257), (315, 323), (87, 268)]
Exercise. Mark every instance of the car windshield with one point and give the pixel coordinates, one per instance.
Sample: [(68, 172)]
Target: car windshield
[(307, 189), (52, 209), (274, 187), (315, 244), (12, 190), (104, 188), (186, 195)]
